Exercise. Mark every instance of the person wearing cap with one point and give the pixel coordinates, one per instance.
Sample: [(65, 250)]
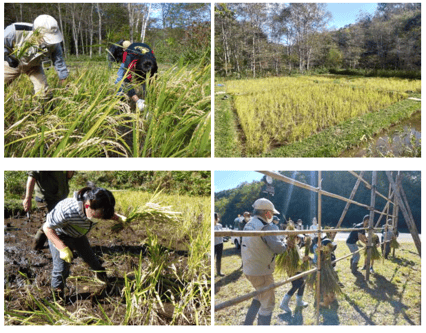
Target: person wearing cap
[(140, 61), (258, 254), (353, 237), (27, 45)]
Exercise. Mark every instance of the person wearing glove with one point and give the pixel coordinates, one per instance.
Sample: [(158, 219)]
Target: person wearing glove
[(139, 61), (21, 59), (258, 254), (66, 228)]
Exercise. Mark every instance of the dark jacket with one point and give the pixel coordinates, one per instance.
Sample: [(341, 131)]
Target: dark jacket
[(115, 52), (140, 61)]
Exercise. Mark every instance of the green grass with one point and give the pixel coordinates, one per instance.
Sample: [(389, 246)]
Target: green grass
[(333, 141), (87, 119), (227, 143), (391, 297)]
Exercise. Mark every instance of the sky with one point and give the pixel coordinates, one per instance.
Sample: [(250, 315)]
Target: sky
[(225, 180), (347, 13)]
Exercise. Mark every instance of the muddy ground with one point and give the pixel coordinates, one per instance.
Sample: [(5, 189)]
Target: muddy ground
[(27, 272)]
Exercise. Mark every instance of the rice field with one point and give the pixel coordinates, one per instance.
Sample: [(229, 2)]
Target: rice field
[(85, 118), (274, 112), (158, 267)]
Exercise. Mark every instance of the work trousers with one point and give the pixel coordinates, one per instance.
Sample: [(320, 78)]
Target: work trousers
[(61, 269), (267, 298), (353, 248), (218, 249), (36, 75)]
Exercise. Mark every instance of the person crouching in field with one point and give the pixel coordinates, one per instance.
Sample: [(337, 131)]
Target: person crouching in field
[(258, 254), (140, 61), (27, 46), (66, 228)]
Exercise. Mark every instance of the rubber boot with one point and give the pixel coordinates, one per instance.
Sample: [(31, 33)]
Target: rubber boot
[(252, 312), (264, 320), (39, 240), (218, 269), (300, 303), (284, 303)]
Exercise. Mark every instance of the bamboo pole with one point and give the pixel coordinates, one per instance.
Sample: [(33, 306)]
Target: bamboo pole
[(351, 197), (370, 225), (410, 223), (395, 213), (383, 212), (243, 233), (318, 286), (312, 188), (275, 285), (368, 185)]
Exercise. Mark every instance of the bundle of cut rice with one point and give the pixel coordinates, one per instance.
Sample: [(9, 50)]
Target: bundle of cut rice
[(305, 265), (329, 281), (153, 216), (375, 254), (289, 262), (394, 243)]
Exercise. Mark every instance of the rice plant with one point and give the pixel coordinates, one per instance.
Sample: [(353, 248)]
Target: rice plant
[(86, 118), (168, 282), (279, 111)]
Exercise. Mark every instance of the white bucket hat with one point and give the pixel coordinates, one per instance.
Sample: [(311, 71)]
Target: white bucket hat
[(264, 204), (48, 26)]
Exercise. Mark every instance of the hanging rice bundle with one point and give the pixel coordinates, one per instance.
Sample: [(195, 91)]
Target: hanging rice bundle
[(289, 262), (329, 281), (329, 233), (305, 264), (394, 243), (375, 254)]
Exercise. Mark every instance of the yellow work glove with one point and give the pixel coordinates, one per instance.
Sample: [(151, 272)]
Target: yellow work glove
[(66, 254)]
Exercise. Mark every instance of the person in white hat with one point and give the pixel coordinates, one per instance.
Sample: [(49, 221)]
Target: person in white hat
[(27, 46), (258, 254)]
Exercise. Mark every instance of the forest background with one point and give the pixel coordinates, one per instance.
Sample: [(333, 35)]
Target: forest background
[(259, 39), (173, 30)]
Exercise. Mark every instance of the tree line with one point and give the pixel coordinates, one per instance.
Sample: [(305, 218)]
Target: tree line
[(296, 203), (174, 30), (258, 39), (192, 183)]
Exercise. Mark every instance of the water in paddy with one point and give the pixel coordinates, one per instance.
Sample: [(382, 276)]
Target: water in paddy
[(399, 141)]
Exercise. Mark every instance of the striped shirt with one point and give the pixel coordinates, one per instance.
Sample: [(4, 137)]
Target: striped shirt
[(68, 218)]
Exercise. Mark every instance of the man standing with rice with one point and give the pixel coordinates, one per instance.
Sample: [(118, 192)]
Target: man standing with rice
[(258, 254)]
